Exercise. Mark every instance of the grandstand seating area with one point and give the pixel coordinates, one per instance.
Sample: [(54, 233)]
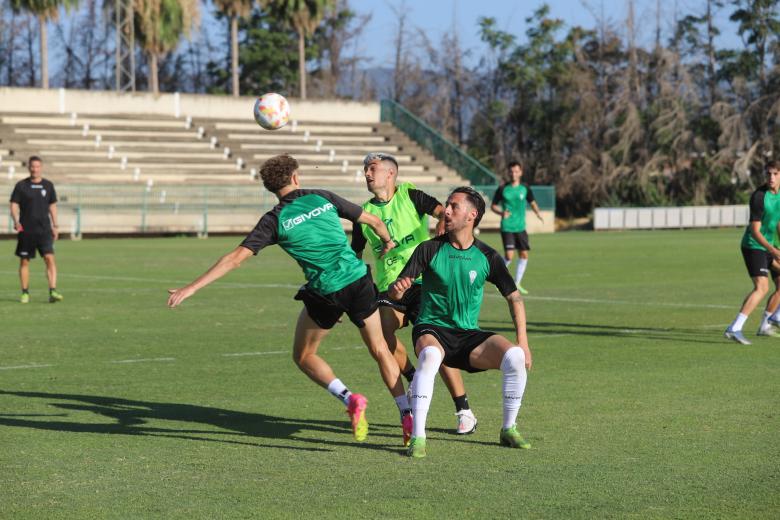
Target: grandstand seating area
[(161, 149)]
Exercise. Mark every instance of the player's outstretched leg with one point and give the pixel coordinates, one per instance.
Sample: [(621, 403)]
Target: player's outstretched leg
[(308, 336), (514, 380), (734, 331)]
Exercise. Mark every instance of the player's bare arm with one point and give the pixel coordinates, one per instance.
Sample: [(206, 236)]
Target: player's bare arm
[(15, 216), (755, 230), (55, 231), (517, 310), (379, 228), (438, 214), (223, 266), (495, 208), (535, 207)]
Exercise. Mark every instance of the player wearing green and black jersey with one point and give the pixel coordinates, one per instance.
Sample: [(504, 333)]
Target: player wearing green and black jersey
[(510, 202), (405, 210), (454, 269), (34, 213), (306, 224), (759, 250)]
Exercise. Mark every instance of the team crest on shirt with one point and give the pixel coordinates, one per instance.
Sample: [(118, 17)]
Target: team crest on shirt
[(472, 277), (43, 193)]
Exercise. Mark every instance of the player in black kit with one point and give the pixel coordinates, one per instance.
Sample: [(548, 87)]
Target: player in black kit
[(34, 212)]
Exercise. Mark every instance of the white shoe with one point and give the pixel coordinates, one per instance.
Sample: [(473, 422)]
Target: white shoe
[(467, 423), (736, 335), (766, 331)]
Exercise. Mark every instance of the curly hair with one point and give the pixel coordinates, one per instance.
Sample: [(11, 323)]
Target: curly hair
[(277, 171)]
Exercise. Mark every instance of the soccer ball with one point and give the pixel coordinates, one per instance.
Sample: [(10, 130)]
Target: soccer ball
[(272, 111)]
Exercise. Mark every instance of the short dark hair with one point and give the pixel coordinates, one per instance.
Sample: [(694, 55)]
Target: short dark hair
[(34, 158), (514, 163), (475, 199), (277, 171), (772, 165)]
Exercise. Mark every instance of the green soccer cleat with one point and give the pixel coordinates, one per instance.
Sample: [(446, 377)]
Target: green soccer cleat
[(25, 298), (522, 290), (55, 297), (511, 437), (416, 448)]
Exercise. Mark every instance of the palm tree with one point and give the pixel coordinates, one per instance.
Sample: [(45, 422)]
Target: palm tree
[(159, 25), (235, 9), (304, 16), (44, 10)]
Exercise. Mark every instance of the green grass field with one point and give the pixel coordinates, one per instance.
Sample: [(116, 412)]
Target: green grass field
[(112, 405)]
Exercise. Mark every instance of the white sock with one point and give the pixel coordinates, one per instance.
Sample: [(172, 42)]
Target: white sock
[(520, 271), (776, 315), (513, 367), (339, 390), (765, 320), (402, 402), (507, 261), (739, 321), (428, 365)]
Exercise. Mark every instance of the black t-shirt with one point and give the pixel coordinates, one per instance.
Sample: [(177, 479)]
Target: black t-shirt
[(34, 200)]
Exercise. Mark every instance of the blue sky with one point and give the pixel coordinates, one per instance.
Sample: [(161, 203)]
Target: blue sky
[(436, 17)]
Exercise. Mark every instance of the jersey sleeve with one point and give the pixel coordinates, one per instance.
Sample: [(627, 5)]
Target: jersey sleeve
[(529, 196), (499, 195), (499, 274), (757, 206), (420, 259), (52, 194), (423, 203), (345, 209), (264, 234), (358, 240)]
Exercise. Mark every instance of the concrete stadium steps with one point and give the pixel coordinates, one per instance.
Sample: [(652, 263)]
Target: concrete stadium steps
[(93, 132), (312, 139), (65, 144), (300, 128), (300, 147)]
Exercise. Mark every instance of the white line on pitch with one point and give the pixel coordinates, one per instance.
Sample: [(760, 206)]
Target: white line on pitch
[(272, 352), (147, 360), (620, 302), (25, 366)]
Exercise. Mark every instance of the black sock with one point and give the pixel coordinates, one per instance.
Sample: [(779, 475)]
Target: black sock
[(409, 374), (461, 402), (52, 289), (25, 291)]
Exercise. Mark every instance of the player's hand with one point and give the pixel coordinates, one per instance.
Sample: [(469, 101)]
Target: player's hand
[(176, 296), (540, 219), (528, 361), (507, 213), (775, 252), (439, 231), (55, 233), (399, 287), (386, 247), (18, 227)]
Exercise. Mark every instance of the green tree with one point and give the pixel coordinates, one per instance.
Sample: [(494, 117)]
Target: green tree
[(44, 10), (159, 26), (304, 16), (235, 9)]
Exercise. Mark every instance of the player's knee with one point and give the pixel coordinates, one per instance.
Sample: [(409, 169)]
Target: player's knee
[(514, 359), (429, 359)]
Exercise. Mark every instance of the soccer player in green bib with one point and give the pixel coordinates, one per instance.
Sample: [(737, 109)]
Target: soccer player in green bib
[(759, 250), (307, 225), (454, 269), (405, 210), (510, 202)]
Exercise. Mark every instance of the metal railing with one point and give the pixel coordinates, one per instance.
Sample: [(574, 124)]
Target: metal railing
[(444, 150), (138, 209)]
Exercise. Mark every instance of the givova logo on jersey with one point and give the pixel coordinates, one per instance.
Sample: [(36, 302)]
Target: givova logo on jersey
[(303, 217)]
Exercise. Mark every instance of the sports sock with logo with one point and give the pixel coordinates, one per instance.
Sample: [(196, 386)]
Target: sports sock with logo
[(764, 320), (513, 367), (339, 391), (738, 322), (520, 270), (421, 390), (461, 402)]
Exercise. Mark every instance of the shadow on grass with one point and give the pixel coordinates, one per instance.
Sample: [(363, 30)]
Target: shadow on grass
[(131, 417), (686, 335)]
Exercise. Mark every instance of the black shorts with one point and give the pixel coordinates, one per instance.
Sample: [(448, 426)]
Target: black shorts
[(758, 263), (29, 241), (457, 343), (358, 300), (409, 304), (518, 240)]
